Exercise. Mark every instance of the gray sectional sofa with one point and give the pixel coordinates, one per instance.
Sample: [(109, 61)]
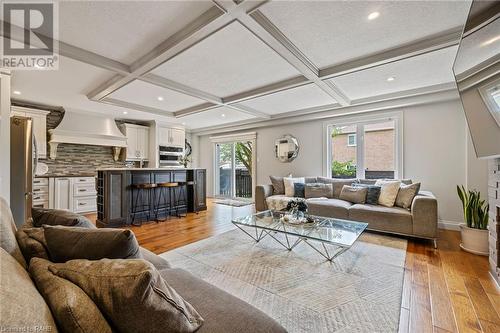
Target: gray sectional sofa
[(419, 221), (25, 310)]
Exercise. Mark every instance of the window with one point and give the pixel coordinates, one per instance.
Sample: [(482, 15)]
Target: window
[(351, 140), (491, 97), (364, 149)]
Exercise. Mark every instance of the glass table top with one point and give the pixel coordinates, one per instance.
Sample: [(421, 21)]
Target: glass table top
[(329, 230)]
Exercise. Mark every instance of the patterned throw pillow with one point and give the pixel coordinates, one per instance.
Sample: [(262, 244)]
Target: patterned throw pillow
[(388, 192), (318, 190), (353, 194), (406, 194), (373, 193), (299, 190)]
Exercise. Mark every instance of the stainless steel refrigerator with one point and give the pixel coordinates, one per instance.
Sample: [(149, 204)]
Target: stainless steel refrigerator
[(23, 160)]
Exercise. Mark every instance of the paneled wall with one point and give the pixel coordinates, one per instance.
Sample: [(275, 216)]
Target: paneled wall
[(494, 224)]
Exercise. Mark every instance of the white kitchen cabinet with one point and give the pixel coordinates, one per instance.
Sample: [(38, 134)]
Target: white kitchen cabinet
[(75, 194), (172, 137), (137, 142), (62, 193), (39, 118)]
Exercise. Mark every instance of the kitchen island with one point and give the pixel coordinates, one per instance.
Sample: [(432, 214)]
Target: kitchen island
[(116, 196)]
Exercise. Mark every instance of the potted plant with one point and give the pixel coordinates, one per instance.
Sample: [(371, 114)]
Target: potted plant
[(474, 231)]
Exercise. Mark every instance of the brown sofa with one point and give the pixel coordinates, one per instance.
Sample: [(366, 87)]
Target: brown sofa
[(419, 221), (23, 309)]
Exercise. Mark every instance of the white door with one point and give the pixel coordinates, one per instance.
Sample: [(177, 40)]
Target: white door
[(62, 193), (178, 137), (132, 140), (143, 142)]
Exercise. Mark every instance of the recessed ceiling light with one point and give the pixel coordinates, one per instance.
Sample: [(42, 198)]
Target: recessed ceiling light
[(391, 78), (16, 92), (183, 123), (373, 15), (490, 41), (223, 115), (125, 112), (160, 98)]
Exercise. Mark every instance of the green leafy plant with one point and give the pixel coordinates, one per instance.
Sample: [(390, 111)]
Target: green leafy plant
[(243, 152), (343, 168), (475, 209)]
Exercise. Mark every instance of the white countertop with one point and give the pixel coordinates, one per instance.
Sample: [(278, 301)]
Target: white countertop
[(146, 169)]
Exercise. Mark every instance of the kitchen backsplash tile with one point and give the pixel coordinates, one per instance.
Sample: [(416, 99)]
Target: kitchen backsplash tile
[(77, 159)]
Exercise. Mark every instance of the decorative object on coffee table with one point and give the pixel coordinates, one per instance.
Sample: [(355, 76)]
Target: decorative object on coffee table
[(474, 232)]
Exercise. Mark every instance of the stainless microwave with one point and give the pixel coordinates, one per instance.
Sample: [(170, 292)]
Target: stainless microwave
[(170, 156)]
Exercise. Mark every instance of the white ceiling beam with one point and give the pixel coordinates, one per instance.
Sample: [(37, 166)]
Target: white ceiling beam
[(249, 110), (195, 109), (133, 106), (409, 50)]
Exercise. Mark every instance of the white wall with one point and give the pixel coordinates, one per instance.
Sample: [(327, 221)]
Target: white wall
[(5, 136), (436, 152)]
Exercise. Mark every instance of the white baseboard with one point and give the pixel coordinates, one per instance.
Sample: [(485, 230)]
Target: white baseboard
[(449, 225)]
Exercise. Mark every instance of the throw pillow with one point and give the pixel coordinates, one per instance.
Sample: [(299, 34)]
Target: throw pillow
[(373, 193), (132, 295), (388, 192), (406, 194), (298, 189), (353, 194), (337, 184), (288, 181), (32, 243), (43, 216), (72, 309), (318, 190), (67, 243), (278, 185)]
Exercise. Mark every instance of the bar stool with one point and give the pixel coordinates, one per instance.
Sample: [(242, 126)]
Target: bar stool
[(167, 201), (182, 198), (142, 190)]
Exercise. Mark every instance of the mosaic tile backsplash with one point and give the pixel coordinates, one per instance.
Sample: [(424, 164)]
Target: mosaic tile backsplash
[(77, 160)]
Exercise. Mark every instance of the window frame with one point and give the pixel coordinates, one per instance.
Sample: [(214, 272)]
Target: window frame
[(360, 121), (352, 135), (491, 105)]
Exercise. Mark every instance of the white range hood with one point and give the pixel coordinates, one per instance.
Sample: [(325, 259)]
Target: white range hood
[(87, 128)]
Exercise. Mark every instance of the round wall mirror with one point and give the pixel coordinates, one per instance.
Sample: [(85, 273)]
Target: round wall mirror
[(286, 148)]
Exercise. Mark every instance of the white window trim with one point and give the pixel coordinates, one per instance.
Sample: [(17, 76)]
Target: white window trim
[(373, 118), (355, 142), (491, 105)]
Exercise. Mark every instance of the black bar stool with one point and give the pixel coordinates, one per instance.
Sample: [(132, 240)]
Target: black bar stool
[(181, 198), (142, 191), (168, 201)]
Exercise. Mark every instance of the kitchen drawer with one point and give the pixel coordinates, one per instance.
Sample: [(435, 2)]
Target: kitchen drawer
[(40, 181), (84, 190), (39, 189), (84, 180), (38, 197), (85, 204), (41, 204)]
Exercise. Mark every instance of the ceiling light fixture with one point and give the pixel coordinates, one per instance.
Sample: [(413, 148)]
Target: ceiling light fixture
[(16, 92), (373, 15), (491, 41), (125, 112), (391, 78), (223, 115), (160, 98), (183, 124)]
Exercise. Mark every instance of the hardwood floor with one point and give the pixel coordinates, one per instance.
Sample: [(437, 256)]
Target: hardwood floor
[(444, 290)]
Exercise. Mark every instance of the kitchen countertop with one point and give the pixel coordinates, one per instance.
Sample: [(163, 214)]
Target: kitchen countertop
[(48, 175), (147, 169)]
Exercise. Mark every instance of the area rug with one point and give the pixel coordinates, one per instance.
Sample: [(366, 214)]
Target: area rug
[(232, 202), (359, 292)]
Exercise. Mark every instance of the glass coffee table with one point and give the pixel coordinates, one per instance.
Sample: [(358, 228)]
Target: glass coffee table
[(340, 234)]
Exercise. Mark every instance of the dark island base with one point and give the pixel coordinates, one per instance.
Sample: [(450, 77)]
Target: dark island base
[(116, 198)]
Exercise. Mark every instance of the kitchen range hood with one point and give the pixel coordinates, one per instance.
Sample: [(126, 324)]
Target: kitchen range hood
[(85, 128)]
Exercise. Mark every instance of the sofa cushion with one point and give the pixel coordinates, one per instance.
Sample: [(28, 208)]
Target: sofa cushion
[(45, 216), (32, 243), (22, 305), (354, 194), (391, 219), (372, 194), (67, 243), (388, 192), (222, 312), (278, 186), (309, 180), (132, 294), (318, 190), (406, 194), (156, 260), (337, 184), (298, 190), (73, 310), (289, 181), (328, 207), (8, 230), (278, 202)]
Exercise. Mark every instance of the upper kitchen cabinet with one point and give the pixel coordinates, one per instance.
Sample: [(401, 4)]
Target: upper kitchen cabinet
[(172, 137), (39, 118), (137, 142)]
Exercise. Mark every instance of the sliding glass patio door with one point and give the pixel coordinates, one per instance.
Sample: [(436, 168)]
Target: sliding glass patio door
[(233, 169)]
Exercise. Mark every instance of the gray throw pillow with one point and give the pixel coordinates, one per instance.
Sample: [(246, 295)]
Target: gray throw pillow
[(353, 194), (406, 194), (32, 243), (43, 216), (278, 185), (67, 243), (318, 190), (337, 183), (72, 309), (132, 295), (373, 193)]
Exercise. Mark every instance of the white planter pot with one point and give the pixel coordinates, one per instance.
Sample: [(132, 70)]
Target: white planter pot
[(474, 240)]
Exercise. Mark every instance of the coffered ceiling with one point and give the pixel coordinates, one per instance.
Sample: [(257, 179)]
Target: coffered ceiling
[(211, 63)]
